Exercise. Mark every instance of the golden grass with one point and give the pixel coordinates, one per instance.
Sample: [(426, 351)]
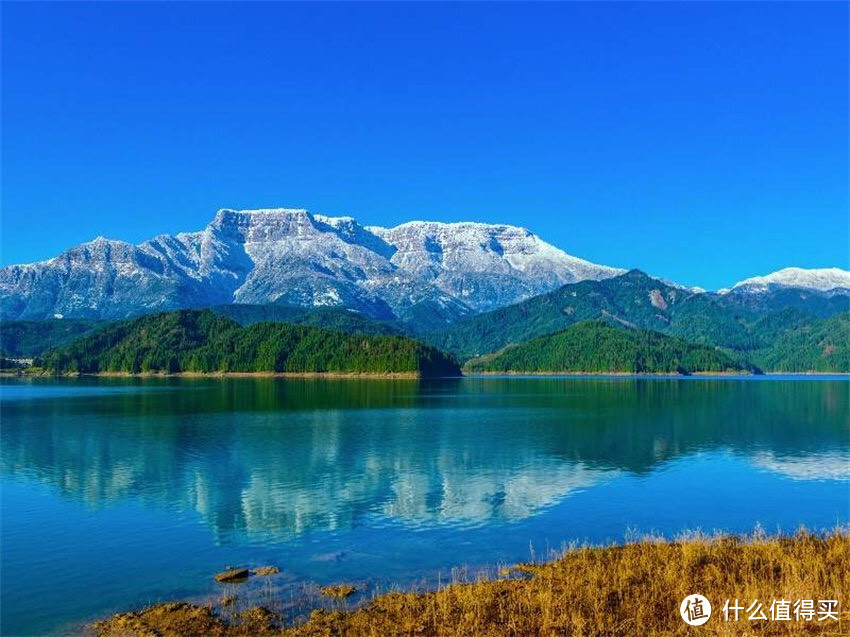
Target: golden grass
[(627, 590)]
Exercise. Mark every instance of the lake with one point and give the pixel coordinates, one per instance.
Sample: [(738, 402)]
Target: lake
[(117, 493)]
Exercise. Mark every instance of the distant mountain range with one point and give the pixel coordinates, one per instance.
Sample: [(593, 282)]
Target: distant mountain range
[(821, 279), (418, 271), (737, 320), (425, 274), (472, 290)]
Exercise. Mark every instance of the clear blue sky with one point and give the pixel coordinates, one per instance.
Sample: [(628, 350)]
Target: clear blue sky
[(704, 142)]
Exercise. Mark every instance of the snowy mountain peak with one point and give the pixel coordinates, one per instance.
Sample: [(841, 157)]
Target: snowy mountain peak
[(437, 226), (335, 221), (422, 271), (483, 247), (263, 211), (822, 279)]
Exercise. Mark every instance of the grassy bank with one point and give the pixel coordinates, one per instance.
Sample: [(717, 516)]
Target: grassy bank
[(633, 589)]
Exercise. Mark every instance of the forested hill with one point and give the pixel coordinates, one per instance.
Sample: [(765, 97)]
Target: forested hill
[(28, 339), (823, 346), (331, 318), (202, 341), (597, 346), (733, 321)]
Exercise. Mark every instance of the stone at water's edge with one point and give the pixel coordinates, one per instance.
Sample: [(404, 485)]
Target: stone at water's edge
[(340, 592), (233, 575), (178, 619)]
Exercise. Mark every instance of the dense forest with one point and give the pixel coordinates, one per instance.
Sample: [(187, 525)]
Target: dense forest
[(820, 346), (785, 332), (331, 318), (202, 341), (28, 339), (732, 321), (597, 346)]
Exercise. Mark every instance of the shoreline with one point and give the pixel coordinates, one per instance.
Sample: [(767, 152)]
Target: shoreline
[(328, 375), (408, 375), (334, 375), (656, 374), (591, 590), (611, 374)]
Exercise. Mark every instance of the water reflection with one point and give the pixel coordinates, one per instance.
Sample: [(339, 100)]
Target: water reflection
[(831, 465), (271, 458)]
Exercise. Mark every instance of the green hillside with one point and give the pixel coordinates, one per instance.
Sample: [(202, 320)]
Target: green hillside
[(780, 330), (636, 300), (809, 301), (597, 346), (331, 318), (28, 339), (626, 298), (202, 341), (821, 346)]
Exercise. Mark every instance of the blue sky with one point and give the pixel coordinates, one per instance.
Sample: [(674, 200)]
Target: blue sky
[(704, 142)]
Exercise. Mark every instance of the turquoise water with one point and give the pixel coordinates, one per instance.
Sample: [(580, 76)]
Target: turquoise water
[(119, 493)]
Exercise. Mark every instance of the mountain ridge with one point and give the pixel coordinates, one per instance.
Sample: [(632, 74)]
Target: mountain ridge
[(414, 271), (821, 279), (424, 273), (741, 322)]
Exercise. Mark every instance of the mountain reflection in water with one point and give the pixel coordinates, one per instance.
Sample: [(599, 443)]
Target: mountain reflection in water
[(275, 458)]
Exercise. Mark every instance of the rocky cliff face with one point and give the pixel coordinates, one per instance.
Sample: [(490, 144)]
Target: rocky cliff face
[(415, 271)]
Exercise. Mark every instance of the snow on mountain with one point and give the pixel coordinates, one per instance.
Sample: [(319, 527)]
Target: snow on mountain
[(484, 266), (415, 271), (694, 289), (821, 279)]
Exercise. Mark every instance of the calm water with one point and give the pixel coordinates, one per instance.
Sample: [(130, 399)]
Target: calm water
[(120, 493)]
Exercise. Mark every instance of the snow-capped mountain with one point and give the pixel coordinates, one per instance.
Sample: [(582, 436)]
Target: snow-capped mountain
[(428, 270), (820, 279)]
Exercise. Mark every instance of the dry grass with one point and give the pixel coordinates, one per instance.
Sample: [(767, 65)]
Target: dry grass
[(626, 590)]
